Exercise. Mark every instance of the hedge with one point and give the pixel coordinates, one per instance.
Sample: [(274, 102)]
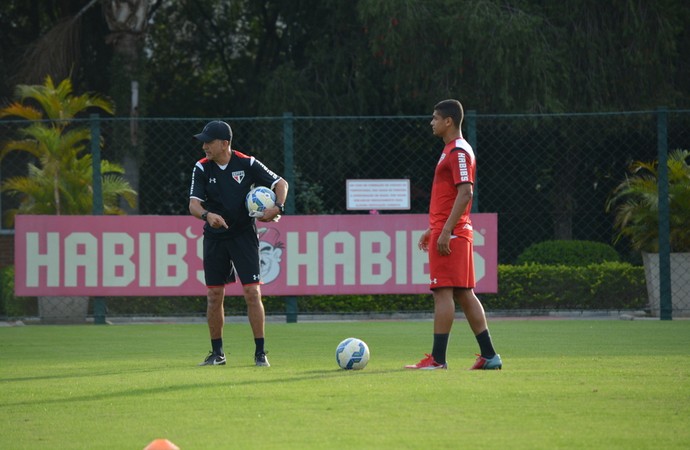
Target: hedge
[(11, 306), (608, 286), (569, 253), (605, 286)]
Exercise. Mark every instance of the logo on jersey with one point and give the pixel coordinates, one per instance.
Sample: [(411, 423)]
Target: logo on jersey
[(238, 176), (462, 165), (211, 180)]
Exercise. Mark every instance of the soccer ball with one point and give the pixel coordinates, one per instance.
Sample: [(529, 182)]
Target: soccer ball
[(352, 354), (258, 199)]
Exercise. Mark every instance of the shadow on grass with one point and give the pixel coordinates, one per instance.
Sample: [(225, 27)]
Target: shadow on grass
[(304, 376)]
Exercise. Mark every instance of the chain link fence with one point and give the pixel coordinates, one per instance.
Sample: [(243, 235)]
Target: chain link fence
[(547, 176)]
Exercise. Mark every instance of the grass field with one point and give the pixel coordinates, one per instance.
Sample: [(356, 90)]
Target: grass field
[(565, 384)]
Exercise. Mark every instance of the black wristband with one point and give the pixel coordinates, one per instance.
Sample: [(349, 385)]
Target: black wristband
[(204, 215), (281, 207)]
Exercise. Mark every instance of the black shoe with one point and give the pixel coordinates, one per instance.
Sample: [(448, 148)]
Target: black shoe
[(261, 360), (213, 359)]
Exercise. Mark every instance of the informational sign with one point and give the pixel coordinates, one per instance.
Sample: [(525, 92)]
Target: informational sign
[(378, 194), (300, 255)]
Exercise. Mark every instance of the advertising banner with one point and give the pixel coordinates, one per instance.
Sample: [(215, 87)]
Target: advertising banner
[(300, 255)]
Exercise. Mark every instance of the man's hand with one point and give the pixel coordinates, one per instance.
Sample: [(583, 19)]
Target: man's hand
[(216, 220), (270, 215), (423, 243), (443, 243)]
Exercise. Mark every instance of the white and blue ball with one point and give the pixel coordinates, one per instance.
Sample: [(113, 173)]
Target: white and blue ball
[(259, 199), (352, 354)]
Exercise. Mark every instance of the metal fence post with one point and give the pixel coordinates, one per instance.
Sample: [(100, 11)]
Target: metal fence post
[(289, 156), (665, 295), (99, 306)]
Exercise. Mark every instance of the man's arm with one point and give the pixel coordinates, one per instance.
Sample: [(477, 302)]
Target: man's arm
[(196, 209), (281, 191), (465, 192)]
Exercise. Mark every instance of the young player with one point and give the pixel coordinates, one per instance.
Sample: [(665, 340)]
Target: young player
[(448, 240)]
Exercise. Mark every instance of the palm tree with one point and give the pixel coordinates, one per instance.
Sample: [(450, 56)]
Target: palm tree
[(61, 180), (636, 203)]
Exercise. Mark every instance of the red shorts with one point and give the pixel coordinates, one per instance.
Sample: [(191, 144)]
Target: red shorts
[(456, 269)]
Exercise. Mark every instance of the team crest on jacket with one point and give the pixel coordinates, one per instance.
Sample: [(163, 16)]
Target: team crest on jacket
[(238, 176)]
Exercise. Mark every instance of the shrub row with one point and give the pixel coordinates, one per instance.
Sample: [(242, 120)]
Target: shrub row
[(569, 253), (605, 286), (609, 286)]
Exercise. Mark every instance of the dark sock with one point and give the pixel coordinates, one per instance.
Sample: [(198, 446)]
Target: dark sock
[(259, 346), (485, 346), (440, 346), (217, 346)]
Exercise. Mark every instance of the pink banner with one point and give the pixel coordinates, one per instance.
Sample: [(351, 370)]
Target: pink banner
[(300, 255)]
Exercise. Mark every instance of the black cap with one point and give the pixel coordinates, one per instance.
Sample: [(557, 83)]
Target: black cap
[(215, 130)]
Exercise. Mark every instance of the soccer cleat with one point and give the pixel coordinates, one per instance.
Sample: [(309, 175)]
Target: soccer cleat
[(260, 360), (493, 363), (427, 363), (213, 359)]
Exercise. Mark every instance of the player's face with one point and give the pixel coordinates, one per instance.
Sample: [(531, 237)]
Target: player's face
[(214, 149), (438, 124)]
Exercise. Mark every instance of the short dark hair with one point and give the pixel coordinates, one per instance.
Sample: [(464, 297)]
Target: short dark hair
[(451, 108)]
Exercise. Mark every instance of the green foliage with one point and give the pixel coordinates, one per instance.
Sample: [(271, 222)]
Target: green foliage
[(61, 182), (605, 286), (609, 285), (308, 196), (635, 203), (11, 306), (408, 40), (371, 57), (569, 253), (6, 288)]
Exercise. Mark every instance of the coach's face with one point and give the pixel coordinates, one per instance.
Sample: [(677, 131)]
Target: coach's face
[(215, 149)]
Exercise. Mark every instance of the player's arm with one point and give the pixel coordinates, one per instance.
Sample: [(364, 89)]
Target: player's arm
[(281, 190), (197, 210), (465, 192)]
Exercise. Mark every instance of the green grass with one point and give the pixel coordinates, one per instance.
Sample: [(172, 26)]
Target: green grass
[(565, 384)]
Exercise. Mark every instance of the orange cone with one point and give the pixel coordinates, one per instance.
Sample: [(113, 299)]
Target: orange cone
[(161, 444)]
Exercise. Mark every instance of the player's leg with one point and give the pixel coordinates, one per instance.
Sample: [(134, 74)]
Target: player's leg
[(218, 270), (255, 309), (215, 311), (444, 315), (476, 318), (257, 321), (246, 258), (215, 317), (444, 309), (472, 308)]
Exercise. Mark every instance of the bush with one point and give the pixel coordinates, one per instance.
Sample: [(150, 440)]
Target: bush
[(365, 303), (568, 253), (604, 286), (609, 285), (11, 306)]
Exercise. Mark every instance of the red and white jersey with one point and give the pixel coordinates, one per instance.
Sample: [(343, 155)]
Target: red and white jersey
[(456, 166)]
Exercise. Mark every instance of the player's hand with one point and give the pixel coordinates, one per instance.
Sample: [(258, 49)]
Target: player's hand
[(216, 221), (270, 215), (443, 243), (423, 243)]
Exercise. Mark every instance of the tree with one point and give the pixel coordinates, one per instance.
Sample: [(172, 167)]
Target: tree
[(61, 181), (635, 202)]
